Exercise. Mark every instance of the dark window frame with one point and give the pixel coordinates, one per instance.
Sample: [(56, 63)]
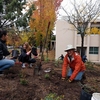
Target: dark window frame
[(93, 50)]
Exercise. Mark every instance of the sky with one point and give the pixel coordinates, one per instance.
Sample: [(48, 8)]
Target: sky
[(67, 4)]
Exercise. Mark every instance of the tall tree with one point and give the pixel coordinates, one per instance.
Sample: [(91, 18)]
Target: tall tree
[(44, 14), (14, 39), (45, 17), (80, 16), (11, 13)]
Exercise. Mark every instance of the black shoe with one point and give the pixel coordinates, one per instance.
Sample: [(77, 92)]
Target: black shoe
[(1, 73), (84, 77)]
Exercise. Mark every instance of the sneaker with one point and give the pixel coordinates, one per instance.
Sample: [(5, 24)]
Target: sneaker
[(23, 65), (31, 65), (1, 73)]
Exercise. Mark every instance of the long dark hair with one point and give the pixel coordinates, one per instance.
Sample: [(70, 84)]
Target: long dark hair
[(2, 32)]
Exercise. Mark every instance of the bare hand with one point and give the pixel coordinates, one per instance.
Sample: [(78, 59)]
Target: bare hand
[(28, 52)]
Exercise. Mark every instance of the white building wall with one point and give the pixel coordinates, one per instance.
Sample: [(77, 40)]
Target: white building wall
[(94, 40), (78, 41), (64, 36)]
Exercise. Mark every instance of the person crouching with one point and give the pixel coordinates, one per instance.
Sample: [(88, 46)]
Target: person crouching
[(75, 63)]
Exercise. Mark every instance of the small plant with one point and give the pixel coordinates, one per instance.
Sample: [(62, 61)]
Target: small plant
[(23, 82), (53, 96), (47, 76), (46, 59), (89, 65), (57, 63), (22, 74)]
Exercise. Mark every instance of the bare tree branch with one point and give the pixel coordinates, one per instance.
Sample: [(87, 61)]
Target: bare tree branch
[(81, 15)]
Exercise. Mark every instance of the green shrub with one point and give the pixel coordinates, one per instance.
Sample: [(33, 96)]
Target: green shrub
[(23, 82), (46, 59), (58, 62), (47, 76), (89, 65), (53, 96), (21, 75)]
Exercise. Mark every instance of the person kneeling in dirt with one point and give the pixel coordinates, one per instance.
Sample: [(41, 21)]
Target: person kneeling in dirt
[(4, 62), (25, 56), (74, 61)]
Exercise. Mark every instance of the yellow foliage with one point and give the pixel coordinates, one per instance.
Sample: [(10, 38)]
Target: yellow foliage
[(99, 31), (87, 31), (43, 15), (24, 37), (13, 39), (94, 30)]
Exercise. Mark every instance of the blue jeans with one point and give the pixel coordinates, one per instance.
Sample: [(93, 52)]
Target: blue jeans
[(6, 63), (79, 75)]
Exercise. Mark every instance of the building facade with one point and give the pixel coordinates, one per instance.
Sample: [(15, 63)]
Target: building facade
[(66, 34)]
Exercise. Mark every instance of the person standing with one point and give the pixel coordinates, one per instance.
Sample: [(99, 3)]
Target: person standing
[(75, 63), (4, 63)]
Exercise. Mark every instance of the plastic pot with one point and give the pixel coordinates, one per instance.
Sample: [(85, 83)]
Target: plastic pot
[(15, 54), (85, 95), (95, 96)]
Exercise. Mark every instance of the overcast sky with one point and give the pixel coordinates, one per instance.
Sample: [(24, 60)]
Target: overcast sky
[(67, 4)]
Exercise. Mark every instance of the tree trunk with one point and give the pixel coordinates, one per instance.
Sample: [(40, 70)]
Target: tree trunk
[(41, 45), (45, 42), (82, 45)]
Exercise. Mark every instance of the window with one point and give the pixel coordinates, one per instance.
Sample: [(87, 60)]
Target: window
[(93, 50)]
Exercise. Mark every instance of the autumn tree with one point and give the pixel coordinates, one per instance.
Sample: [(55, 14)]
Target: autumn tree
[(45, 17), (80, 16), (14, 39)]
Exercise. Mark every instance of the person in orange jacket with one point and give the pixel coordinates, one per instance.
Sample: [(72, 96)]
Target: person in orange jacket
[(74, 61)]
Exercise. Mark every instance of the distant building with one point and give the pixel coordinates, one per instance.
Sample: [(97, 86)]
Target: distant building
[(66, 34)]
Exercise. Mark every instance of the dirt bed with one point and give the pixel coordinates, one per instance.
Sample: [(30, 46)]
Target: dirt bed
[(22, 84)]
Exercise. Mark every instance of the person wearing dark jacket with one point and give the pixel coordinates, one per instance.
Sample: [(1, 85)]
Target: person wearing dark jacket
[(4, 63), (84, 58), (25, 56)]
